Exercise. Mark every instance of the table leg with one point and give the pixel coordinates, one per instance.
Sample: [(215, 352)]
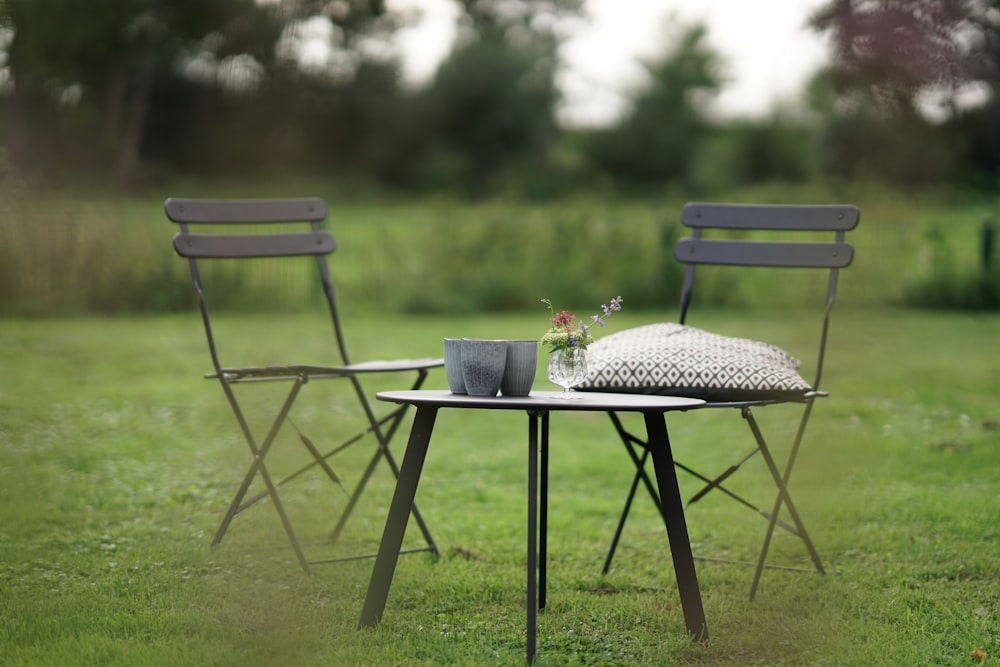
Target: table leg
[(532, 602), (399, 514), (677, 534), (543, 510)]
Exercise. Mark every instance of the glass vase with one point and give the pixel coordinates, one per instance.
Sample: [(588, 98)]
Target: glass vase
[(568, 368)]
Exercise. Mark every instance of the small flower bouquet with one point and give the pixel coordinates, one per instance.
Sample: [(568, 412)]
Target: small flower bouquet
[(567, 333)]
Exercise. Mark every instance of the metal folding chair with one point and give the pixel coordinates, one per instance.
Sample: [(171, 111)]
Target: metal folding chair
[(253, 229), (743, 246)]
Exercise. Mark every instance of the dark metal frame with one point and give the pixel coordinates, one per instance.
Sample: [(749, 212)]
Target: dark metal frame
[(538, 407), (301, 214), (831, 256)]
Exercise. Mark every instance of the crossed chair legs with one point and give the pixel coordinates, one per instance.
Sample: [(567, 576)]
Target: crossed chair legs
[(639, 453), (258, 467)]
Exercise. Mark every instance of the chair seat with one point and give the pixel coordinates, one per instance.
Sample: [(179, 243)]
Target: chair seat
[(295, 370), (673, 359)]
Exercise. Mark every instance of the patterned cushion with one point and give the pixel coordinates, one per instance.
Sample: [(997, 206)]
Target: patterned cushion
[(677, 360)]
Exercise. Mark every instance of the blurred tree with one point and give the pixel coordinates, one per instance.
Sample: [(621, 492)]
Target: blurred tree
[(903, 75), (84, 74), (979, 134), (94, 65), (340, 112), (777, 148), (978, 126), (490, 108), (892, 52), (521, 21), (490, 104), (857, 141), (656, 141)]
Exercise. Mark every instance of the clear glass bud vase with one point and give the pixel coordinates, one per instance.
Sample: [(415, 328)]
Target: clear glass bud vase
[(568, 368)]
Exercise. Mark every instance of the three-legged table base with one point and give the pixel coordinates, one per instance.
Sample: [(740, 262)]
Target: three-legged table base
[(538, 407)]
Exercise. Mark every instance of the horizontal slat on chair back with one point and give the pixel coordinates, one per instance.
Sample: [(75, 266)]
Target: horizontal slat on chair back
[(253, 245), (211, 211), (764, 253), (771, 217), (249, 211)]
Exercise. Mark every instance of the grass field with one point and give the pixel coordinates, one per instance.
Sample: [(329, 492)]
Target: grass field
[(117, 461)]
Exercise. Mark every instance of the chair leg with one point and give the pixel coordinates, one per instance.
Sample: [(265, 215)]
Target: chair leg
[(383, 437), (359, 490), (631, 444), (717, 482), (716, 485), (318, 459), (783, 498), (323, 458), (240, 502), (258, 467), (621, 519), (353, 500), (424, 530), (393, 419)]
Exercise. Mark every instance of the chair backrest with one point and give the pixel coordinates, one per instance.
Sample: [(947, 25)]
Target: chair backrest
[(230, 230), (831, 255)]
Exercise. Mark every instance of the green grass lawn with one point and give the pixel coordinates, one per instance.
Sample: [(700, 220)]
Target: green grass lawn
[(117, 461)]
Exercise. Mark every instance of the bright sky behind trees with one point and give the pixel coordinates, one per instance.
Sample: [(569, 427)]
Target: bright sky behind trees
[(768, 50)]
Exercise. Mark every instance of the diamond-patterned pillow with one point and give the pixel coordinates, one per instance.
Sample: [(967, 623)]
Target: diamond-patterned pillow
[(676, 360)]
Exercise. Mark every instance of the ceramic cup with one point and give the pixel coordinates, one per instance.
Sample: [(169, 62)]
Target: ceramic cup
[(483, 363), (519, 370), (453, 365)]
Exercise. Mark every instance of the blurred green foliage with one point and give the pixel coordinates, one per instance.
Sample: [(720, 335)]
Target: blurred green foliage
[(108, 110), (136, 93), (953, 282), (66, 253), (659, 138)]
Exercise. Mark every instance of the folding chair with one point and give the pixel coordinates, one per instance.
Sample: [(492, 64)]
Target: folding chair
[(731, 373), (243, 229)]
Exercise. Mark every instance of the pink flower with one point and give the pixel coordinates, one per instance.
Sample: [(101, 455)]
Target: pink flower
[(563, 319)]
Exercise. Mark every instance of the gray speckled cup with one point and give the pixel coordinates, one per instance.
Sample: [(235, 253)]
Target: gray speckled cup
[(519, 370), (483, 363), (453, 365)]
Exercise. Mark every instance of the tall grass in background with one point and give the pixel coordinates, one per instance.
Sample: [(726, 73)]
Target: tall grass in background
[(73, 254), (67, 252)]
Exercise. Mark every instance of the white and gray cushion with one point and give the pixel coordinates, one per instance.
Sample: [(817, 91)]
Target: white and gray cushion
[(673, 359)]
